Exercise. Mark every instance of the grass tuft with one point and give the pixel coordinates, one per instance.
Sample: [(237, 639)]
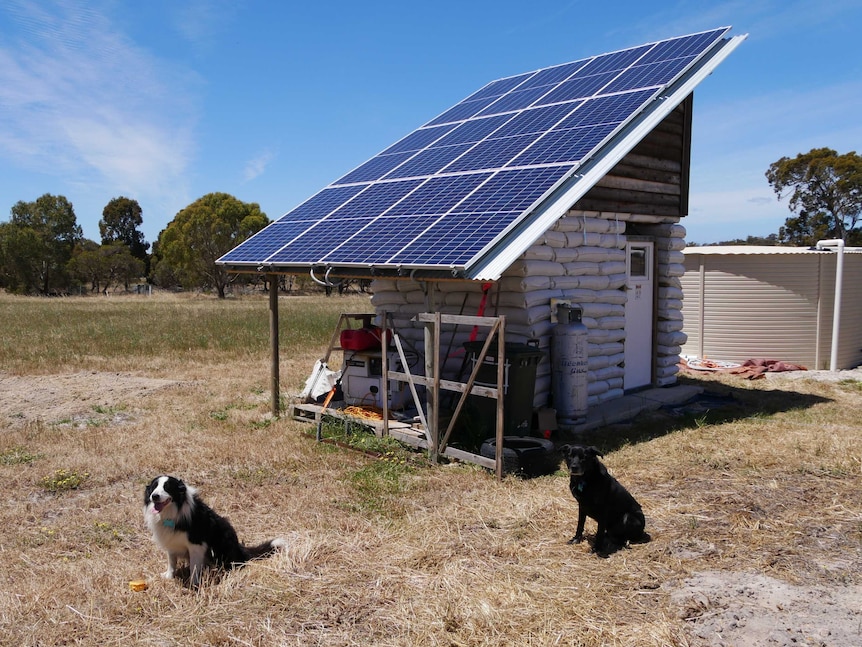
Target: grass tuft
[(18, 455), (62, 480)]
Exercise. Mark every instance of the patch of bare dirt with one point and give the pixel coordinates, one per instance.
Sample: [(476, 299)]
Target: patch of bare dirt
[(74, 396), (726, 608)]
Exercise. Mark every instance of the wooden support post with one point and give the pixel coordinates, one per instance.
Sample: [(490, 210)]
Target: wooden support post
[(431, 393), (273, 341), (384, 372), (438, 367), (501, 390)]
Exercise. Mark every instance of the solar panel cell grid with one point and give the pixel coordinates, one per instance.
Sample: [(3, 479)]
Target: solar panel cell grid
[(537, 120), (513, 190), (322, 204), (607, 109), (375, 200), (438, 195), (499, 87), (553, 75), (570, 145), (447, 191), (266, 242), (472, 231), (579, 88), (613, 62), (654, 74), (419, 139), (463, 110), (319, 240), (429, 161), (381, 240), (491, 153), (375, 168), (517, 100), (474, 130)]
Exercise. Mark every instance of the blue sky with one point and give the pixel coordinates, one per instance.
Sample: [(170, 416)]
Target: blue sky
[(165, 101)]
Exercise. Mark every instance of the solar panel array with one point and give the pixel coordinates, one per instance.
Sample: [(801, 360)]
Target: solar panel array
[(444, 193)]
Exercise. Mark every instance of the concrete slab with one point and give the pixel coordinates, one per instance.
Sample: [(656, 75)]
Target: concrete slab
[(632, 404)]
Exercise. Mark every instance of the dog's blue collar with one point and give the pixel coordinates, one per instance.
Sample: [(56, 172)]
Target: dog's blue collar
[(169, 523)]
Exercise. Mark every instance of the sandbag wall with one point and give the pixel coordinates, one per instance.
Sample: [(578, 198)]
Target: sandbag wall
[(669, 243), (581, 259)]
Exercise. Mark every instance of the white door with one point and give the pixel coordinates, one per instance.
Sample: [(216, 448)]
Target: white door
[(639, 315)]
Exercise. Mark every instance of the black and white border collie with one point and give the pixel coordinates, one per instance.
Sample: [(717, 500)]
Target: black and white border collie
[(187, 528)]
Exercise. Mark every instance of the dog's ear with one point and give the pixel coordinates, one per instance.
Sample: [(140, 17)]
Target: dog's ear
[(592, 451), (147, 491)]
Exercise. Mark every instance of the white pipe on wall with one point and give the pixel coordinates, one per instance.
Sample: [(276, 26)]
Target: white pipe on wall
[(837, 244)]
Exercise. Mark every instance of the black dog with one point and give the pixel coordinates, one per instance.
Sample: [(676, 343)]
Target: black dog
[(601, 497), (187, 528)]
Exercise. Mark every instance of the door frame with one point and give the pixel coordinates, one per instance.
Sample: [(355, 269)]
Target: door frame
[(652, 269)]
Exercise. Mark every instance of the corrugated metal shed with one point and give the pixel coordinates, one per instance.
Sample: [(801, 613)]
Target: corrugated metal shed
[(772, 303)]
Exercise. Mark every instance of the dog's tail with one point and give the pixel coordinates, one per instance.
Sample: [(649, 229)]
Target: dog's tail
[(264, 549)]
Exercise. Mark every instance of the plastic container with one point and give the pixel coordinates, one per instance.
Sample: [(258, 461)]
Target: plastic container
[(360, 338), (520, 363)]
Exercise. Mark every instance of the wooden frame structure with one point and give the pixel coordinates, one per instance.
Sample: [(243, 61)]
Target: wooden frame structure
[(429, 434)]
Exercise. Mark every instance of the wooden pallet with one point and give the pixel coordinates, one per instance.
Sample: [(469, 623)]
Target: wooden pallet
[(407, 433)]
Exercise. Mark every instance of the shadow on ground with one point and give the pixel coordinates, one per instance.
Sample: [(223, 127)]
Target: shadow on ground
[(718, 403)]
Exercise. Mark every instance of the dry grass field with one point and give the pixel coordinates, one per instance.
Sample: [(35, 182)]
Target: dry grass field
[(752, 500)]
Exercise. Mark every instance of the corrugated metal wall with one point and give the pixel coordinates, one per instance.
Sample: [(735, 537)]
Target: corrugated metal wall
[(772, 306), (850, 349)]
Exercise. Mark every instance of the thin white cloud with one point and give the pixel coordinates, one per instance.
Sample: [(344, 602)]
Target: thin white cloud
[(82, 102), (255, 167), (203, 22), (763, 20), (827, 114), (734, 212)]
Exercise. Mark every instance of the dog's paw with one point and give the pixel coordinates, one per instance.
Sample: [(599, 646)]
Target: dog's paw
[(601, 553), (575, 540)]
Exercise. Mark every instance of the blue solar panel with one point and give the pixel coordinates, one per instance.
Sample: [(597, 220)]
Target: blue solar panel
[(569, 145), (581, 87), (498, 88), (445, 192), (375, 168), (381, 240), (419, 139), (608, 109), (438, 195), (516, 100), (491, 153), (319, 240), (471, 230), (429, 161), (536, 121), (512, 191), (322, 204), (474, 130), (552, 75), (266, 242), (374, 200)]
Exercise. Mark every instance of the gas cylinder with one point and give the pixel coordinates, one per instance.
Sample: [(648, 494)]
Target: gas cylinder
[(570, 363)]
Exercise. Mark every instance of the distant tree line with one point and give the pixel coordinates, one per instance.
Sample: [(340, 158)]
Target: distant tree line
[(43, 250)]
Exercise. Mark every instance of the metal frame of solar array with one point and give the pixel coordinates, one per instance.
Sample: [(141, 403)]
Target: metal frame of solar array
[(444, 194)]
